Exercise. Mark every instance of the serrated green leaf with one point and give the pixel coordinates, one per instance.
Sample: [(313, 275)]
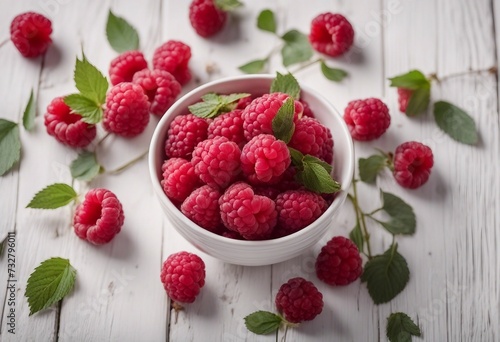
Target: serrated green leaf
[(90, 111), (231, 98), (228, 5), (266, 21), (29, 113), (297, 48), (455, 122), (85, 167), (283, 126), (370, 167), (286, 84), (419, 101), (403, 220), (90, 81), (53, 196), (49, 283), (332, 74), (296, 157), (263, 322), (316, 178), (10, 145), (214, 105), (121, 35), (253, 67), (400, 328), (386, 275), (311, 159), (414, 79), (357, 237)]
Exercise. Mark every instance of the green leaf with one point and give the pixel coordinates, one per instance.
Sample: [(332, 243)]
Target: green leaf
[(266, 21), (85, 167), (386, 275), (370, 167), (411, 80), (283, 126), (228, 5), (253, 67), (121, 35), (29, 113), (49, 283), (403, 220), (357, 237), (311, 159), (10, 145), (286, 84), (297, 48), (332, 74), (90, 111), (53, 196), (455, 122), (214, 105), (90, 81), (315, 176), (400, 328), (263, 322), (419, 101), (296, 157)]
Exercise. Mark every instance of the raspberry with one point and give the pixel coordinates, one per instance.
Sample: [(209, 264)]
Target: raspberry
[(184, 133), (99, 217), (123, 67), (30, 33), (299, 300), (367, 119), (229, 125), (217, 161), (403, 98), (331, 34), (339, 262), (202, 207), (298, 209), (244, 102), (127, 110), (326, 152), (267, 191), (264, 159), (311, 137), (250, 215), (206, 18), (412, 164), (161, 88), (183, 276), (232, 235), (307, 110), (173, 56), (67, 127), (179, 179)]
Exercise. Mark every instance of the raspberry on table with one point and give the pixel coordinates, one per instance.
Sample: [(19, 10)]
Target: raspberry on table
[(99, 217), (331, 34), (127, 110), (67, 127), (311, 137), (206, 18), (367, 119), (161, 88), (250, 215), (264, 159), (413, 162), (30, 33), (124, 67), (202, 207), (183, 276), (217, 161), (229, 125), (299, 300), (403, 98), (339, 262), (173, 56), (184, 133), (179, 179)]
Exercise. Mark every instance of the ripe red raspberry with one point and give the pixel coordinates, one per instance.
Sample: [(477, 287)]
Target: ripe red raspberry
[(124, 67), (339, 262), (326, 152), (311, 137), (267, 191), (217, 161), (30, 33), (229, 125), (99, 217), (299, 300), (179, 179), (184, 133), (127, 110), (206, 18), (66, 127), (244, 102), (403, 98), (183, 276), (331, 34), (264, 159), (367, 119), (307, 110), (161, 88), (232, 235), (202, 207), (250, 215), (173, 56), (412, 164)]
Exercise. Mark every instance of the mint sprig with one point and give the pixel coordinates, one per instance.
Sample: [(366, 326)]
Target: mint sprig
[(121, 35), (416, 81), (286, 84), (214, 104), (10, 145), (282, 124), (313, 173), (53, 196), (263, 322), (90, 111), (29, 113), (401, 328)]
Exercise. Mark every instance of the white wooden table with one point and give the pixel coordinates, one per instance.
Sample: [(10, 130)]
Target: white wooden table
[(454, 289)]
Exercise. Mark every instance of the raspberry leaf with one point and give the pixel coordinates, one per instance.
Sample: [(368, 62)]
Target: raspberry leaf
[(315, 175), (414, 79), (400, 328), (90, 111), (297, 48), (357, 237), (53, 196), (455, 122), (283, 126), (253, 67), (85, 167), (49, 283), (263, 322), (90, 81), (286, 84), (214, 104), (370, 167), (386, 275), (228, 5), (29, 113), (10, 145), (296, 157), (332, 74), (266, 21), (313, 160), (121, 35), (403, 220), (419, 101)]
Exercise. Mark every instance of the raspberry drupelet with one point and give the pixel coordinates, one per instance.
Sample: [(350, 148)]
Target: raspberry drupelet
[(413, 162), (331, 34), (124, 67), (367, 119), (30, 32), (161, 88), (173, 56), (298, 300)]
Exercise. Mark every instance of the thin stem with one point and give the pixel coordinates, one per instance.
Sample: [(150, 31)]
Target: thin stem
[(306, 65), (373, 212), (361, 221), (491, 70), (284, 335), (102, 140), (127, 165)]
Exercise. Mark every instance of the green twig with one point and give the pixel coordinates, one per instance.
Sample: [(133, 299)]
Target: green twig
[(127, 165), (306, 65), (360, 217)]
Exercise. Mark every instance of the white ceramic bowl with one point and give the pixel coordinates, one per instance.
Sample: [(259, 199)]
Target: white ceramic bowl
[(253, 253)]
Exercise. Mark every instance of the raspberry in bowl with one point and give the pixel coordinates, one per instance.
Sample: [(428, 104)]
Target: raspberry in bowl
[(249, 240)]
